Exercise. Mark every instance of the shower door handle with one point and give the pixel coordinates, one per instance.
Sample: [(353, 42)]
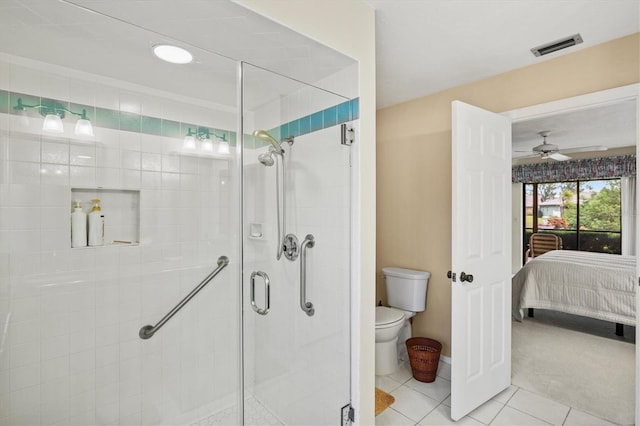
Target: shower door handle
[(267, 293), (307, 307)]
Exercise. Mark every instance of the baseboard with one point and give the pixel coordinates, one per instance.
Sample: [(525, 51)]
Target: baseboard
[(445, 359)]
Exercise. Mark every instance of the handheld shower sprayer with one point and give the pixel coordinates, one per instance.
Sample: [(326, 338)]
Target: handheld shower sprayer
[(265, 136), (275, 155)]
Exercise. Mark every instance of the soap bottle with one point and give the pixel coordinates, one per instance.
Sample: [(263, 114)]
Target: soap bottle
[(78, 226), (96, 224)]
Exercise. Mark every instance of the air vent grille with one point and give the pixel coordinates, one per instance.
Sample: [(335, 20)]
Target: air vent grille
[(554, 46)]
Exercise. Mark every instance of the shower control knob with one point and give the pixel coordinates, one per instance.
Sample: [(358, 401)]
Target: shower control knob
[(290, 247)]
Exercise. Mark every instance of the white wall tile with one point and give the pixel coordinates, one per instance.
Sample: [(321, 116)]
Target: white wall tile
[(53, 152), (82, 177), (24, 173), (25, 377)]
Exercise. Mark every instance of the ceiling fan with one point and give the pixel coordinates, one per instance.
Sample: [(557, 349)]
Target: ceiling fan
[(546, 150)]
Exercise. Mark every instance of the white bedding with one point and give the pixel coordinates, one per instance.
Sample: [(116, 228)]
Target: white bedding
[(596, 285)]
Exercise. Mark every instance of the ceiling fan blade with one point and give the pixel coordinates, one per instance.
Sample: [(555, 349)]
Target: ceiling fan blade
[(585, 149), (525, 156), (559, 157)]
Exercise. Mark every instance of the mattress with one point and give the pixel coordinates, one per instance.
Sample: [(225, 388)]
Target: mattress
[(596, 285)]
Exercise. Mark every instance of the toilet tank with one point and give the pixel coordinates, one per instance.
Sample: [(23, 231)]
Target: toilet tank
[(406, 288)]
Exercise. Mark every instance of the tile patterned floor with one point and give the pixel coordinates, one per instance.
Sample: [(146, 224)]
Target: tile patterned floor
[(255, 414), (426, 404)]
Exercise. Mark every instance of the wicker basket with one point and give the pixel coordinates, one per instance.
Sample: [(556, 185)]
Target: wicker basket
[(424, 355)]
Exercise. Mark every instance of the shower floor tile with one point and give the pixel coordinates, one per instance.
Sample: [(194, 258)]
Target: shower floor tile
[(256, 414)]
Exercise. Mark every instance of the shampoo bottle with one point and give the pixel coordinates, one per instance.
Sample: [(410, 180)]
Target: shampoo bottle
[(96, 225), (78, 226)]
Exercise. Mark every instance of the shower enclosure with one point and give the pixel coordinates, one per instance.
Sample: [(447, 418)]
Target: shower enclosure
[(185, 315)]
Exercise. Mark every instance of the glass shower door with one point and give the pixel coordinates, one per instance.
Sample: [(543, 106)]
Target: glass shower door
[(296, 200)]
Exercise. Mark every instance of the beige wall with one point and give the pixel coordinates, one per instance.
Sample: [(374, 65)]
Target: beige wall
[(349, 27), (414, 161)]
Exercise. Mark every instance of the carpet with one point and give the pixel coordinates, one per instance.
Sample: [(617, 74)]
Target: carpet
[(578, 362), (383, 400)]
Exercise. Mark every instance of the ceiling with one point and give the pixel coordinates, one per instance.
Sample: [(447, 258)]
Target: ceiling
[(113, 38), (426, 46), (610, 125)]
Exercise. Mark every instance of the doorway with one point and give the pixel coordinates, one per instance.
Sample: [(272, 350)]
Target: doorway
[(557, 115)]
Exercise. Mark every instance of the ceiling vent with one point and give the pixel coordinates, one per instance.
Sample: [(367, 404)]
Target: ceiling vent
[(554, 46)]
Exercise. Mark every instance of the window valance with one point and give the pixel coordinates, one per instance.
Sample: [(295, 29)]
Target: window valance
[(586, 169)]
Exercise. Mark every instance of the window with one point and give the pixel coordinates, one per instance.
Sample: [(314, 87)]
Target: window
[(585, 214)]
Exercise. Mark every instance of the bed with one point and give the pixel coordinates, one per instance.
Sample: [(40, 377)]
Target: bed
[(596, 285)]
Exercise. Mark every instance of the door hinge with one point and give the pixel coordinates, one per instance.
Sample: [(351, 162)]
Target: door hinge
[(347, 415), (347, 134)]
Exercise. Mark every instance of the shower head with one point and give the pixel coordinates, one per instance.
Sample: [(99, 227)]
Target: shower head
[(266, 158), (265, 136)]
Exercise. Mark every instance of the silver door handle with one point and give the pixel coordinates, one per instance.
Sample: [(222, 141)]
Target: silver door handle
[(267, 292), (307, 307)]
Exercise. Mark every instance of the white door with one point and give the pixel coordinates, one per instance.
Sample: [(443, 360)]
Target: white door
[(480, 259)]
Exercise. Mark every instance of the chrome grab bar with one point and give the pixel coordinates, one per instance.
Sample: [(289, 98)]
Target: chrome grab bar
[(267, 293), (148, 331), (307, 307)]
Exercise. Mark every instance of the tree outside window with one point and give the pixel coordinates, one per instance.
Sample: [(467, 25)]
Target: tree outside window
[(585, 214)]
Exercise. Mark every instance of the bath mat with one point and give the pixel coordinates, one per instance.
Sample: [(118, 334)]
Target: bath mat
[(383, 401)]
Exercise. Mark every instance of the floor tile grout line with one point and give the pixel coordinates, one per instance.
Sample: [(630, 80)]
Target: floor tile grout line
[(567, 416), (528, 414)]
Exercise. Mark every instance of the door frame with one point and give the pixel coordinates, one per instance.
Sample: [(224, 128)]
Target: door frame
[(590, 100)]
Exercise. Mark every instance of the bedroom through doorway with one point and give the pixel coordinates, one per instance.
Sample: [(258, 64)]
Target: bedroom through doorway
[(575, 360)]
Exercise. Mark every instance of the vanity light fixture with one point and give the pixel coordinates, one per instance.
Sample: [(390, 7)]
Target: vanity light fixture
[(172, 54), (54, 113), (203, 135)]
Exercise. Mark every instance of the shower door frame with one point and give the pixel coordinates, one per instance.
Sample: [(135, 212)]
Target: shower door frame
[(346, 412)]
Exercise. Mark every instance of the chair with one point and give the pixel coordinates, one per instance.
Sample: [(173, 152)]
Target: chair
[(542, 243)]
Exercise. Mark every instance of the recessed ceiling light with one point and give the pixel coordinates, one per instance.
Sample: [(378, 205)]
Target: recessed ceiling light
[(173, 54)]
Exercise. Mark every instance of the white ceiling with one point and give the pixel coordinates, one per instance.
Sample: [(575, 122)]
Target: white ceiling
[(113, 38), (610, 125), (426, 46)]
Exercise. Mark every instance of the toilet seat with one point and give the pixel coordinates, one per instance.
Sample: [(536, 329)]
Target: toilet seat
[(388, 317)]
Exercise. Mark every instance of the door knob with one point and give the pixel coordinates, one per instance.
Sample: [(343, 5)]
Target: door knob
[(464, 277), (451, 276)]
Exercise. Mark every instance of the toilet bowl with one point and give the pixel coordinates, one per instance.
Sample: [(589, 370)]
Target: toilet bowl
[(389, 323), (406, 292)]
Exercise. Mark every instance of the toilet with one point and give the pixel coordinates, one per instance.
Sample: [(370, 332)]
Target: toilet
[(407, 295)]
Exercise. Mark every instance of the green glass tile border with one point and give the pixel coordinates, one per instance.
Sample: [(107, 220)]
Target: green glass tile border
[(114, 119), (4, 101), (131, 122), (323, 119)]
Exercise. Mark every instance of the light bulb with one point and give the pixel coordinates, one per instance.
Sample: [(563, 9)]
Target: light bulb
[(207, 145), (53, 123), (223, 147), (84, 127), (189, 142)]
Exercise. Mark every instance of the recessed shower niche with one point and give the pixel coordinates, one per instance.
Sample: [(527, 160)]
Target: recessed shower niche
[(121, 210)]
